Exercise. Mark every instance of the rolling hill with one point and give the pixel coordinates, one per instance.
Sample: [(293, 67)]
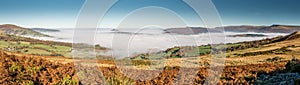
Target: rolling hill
[(17, 30), (45, 30), (242, 53), (243, 28)]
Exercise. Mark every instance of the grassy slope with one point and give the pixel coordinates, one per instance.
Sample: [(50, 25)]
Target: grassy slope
[(24, 45), (17, 30), (285, 49), (12, 42), (31, 46), (253, 52)]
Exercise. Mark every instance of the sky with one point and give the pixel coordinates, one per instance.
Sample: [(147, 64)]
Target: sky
[(64, 13)]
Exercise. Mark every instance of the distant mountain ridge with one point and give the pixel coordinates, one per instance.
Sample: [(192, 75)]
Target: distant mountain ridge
[(45, 30), (243, 28), (17, 30), (247, 35)]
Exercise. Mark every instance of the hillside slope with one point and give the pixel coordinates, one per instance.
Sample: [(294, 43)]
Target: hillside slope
[(276, 49), (295, 35), (242, 53), (17, 30)]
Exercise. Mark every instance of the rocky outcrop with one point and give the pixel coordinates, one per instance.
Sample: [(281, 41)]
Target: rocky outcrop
[(289, 76)]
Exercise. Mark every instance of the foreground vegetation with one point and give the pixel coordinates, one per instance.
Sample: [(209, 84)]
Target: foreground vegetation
[(29, 70)]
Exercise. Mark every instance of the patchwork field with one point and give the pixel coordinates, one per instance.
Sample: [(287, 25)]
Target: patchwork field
[(17, 44)]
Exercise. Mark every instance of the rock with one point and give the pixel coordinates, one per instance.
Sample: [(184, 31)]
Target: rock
[(278, 79), (297, 81), (293, 66)]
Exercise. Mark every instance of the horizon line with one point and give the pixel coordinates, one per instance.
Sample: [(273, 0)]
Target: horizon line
[(167, 27)]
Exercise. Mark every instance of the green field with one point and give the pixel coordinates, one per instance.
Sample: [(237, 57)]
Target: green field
[(35, 49), (180, 52)]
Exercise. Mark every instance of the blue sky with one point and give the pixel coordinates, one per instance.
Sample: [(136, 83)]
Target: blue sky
[(63, 13)]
